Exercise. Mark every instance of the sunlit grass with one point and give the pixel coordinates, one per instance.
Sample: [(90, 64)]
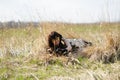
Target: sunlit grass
[(23, 55)]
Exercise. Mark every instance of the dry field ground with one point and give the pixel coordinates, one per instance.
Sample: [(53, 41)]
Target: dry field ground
[(23, 53)]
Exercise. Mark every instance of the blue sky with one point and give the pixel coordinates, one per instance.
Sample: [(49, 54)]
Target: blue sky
[(77, 11)]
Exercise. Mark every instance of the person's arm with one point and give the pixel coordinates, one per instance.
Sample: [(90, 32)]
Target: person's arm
[(69, 47)]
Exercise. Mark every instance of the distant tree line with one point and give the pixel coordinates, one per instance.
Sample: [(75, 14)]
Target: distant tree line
[(13, 24)]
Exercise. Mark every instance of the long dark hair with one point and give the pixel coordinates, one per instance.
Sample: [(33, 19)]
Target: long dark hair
[(52, 36)]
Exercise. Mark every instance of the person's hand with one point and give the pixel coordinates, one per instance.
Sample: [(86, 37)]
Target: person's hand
[(49, 50)]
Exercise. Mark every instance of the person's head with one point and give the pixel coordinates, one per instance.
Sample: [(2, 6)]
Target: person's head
[(54, 39)]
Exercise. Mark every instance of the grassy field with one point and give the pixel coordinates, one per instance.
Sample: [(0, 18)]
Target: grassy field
[(23, 53)]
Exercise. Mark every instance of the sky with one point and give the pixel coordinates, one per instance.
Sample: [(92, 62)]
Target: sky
[(75, 11)]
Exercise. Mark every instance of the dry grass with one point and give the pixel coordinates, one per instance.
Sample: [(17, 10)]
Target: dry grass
[(23, 53)]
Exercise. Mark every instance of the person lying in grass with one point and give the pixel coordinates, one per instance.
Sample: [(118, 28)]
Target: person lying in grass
[(62, 46)]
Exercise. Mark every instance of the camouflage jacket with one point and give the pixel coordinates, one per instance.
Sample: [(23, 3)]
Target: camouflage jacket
[(76, 44)]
